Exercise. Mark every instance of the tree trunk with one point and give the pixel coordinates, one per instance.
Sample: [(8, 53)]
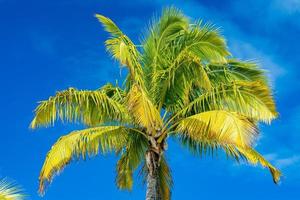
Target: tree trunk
[(153, 187)]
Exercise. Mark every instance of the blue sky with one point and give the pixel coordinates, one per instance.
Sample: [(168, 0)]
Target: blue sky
[(51, 45)]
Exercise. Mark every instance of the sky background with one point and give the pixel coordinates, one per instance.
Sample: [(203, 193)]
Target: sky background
[(46, 46)]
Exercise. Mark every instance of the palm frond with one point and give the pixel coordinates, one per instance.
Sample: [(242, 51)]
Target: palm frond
[(10, 191), (185, 55), (171, 23), (81, 144), (226, 126), (131, 158), (251, 99), (142, 109), (176, 83), (254, 157), (123, 49), (235, 70), (85, 106), (205, 41), (109, 25)]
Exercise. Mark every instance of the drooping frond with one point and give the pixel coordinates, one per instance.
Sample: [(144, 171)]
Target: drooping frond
[(223, 125), (209, 131), (254, 157), (10, 191), (81, 144), (85, 106), (142, 109), (251, 99), (122, 49), (211, 146), (131, 158)]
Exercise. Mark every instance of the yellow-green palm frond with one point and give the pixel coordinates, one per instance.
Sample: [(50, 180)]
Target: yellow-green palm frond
[(251, 99), (109, 26), (191, 73), (10, 191), (183, 54), (114, 92), (254, 157), (161, 32), (235, 70), (169, 85), (206, 132), (226, 126), (205, 41), (122, 49), (142, 109), (131, 158), (81, 144), (85, 106)]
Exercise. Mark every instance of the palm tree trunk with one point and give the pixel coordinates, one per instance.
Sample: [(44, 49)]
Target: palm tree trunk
[(153, 188)]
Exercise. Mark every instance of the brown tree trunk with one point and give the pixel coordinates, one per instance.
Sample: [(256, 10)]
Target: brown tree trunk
[(153, 187)]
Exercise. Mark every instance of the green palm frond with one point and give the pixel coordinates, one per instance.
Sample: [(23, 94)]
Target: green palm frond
[(85, 106), (177, 85), (142, 109), (205, 41), (123, 49), (114, 92), (10, 191), (163, 30), (251, 99), (185, 55), (131, 158), (109, 26), (81, 144), (235, 70)]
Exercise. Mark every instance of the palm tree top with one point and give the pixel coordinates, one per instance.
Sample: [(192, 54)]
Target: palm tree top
[(182, 82)]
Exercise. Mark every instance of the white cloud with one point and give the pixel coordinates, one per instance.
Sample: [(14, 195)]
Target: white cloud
[(283, 161)]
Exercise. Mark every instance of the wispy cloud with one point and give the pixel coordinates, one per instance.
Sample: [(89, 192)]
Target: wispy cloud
[(287, 6), (283, 161)]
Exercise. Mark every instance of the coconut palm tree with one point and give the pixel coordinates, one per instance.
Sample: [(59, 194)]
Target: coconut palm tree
[(10, 191), (183, 83)]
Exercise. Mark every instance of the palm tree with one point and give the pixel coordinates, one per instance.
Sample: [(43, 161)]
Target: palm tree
[(182, 83), (10, 191)]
